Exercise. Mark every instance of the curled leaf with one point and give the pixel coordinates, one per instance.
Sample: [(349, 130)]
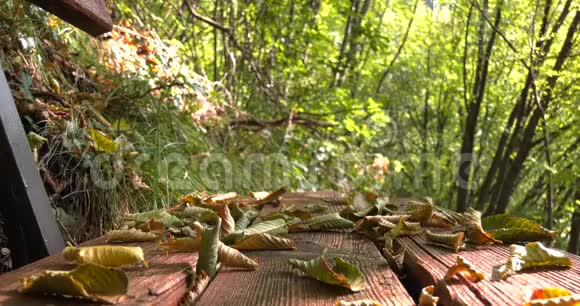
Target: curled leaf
[(453, 241), (427, 298), (88, 281), (358, 303), (231, 257), (404, 228), (533, 254), (271, 197), (105, 255), (324, 222), (291, 212), (420, 211), (221, 198), (153, 226), (464, 267), (196, 211), (315, 208), (259, 195), (341, 274), (473, 229), (264, 241), (553, 296), (515, 229), (185, 244), (228, 223), (272, 227), (199, 284), (160, 215), (102, 142), (245, 219), (396, 259), (130, 235), (208, 251)]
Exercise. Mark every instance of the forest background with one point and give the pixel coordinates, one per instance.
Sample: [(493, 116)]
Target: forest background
[(474, 103)]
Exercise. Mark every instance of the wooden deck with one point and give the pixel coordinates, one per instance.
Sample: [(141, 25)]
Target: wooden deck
[(274, 283)]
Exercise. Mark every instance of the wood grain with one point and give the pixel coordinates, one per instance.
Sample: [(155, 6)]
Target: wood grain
[(91, 16), (164, 282), (275, 283), (516, 289)]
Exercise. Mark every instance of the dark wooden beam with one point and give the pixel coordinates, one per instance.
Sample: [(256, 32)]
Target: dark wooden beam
[(91, 16), (30, 223)]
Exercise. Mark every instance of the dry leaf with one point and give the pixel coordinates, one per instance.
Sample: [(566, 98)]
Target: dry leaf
[(228, 223), (153, 226), (324, 222), (553, 296), (420, 211), (358, 303), (221, 198), (130, 235), (185, 244), (474, 231), (208, 250), (87, 281), (199, 284), (515, 229), (534, 254), (272, 197), (341, 274), (105, 255), (259, 195), (464, 267), (231, 257), (427, 298), (453, 241), (264, 241)]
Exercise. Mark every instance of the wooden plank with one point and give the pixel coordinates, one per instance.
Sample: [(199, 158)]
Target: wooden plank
[(514, 290), (275, 283), (91, 16), (32, 229), (164, 282)]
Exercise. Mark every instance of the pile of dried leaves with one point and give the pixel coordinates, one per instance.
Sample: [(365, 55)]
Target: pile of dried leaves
[(221, 226)]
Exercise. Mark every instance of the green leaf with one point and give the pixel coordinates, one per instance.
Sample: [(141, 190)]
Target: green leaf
[(514, 229), (87, 281), (208, 251), (324, 222), (534, 254), (273, 227), (264, 241), (341, 274), (102, 142)]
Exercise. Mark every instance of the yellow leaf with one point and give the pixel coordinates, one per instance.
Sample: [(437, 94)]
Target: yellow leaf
[(102, 142), (553, 296), (130, 235), (464, 267), (105, 255), (427, 298), (87, 281), (264, 241)]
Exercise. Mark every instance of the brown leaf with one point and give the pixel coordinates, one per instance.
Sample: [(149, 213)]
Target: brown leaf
[(453, 241), (228, 222), (464, 267), (427, 298)]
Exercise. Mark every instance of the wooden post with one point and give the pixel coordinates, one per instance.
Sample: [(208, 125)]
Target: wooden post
[(91, 16), (31, 225)]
